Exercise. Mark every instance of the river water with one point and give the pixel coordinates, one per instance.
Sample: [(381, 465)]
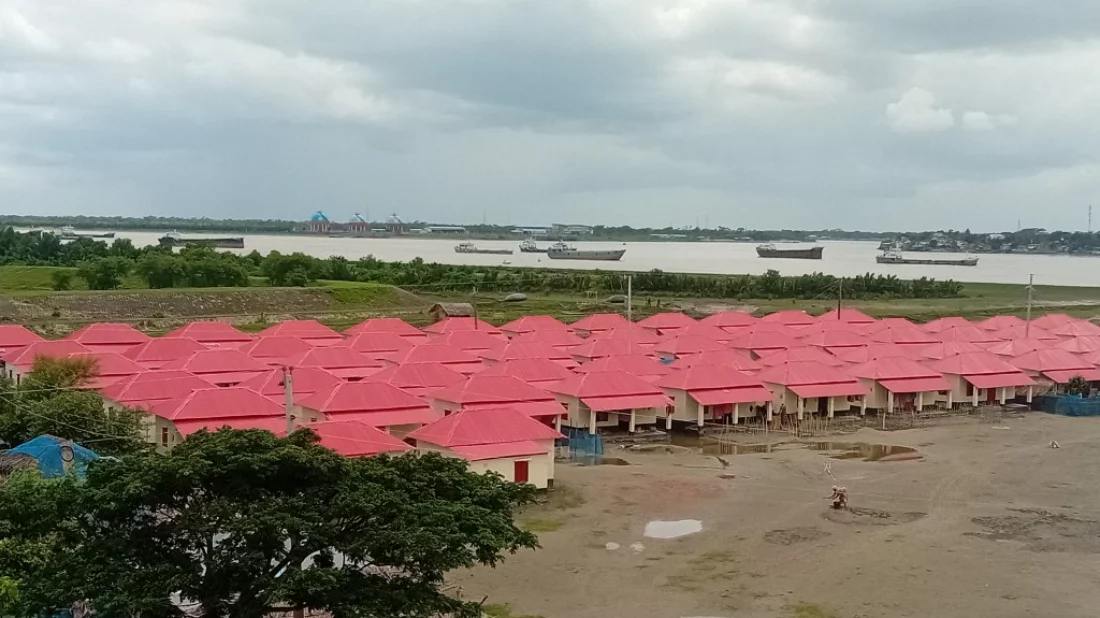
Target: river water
[(841, 258)]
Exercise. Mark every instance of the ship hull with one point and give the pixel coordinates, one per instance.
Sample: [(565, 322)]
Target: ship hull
[(813, 253), (485, 251), (532, 250), (613, 255), (927, 262), (220, 243)]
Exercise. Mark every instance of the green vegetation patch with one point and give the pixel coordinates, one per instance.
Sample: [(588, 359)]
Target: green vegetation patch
[(503, 610)]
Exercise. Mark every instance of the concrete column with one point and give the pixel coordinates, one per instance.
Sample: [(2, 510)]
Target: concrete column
[(557, 422), (950, 399), (1030, 393), (770, 407), (1003, 394), (632, 421), (974, 400), (920, 402), (863, 405), (889, 402), (736, 413), (801, 407), (832, 406), (591, 422), (701, 410)]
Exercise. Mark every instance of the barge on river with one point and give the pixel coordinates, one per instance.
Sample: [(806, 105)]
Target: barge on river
[(807, 253), (175, 239), (469, 247), (895, 257)]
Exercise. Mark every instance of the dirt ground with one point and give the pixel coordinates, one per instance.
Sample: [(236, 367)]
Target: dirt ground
[(991, 522)]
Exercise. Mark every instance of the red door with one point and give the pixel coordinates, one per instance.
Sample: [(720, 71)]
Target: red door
[(992, 396), (521, 471)]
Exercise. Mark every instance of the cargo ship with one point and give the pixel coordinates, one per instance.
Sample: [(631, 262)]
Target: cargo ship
[(771, 251), (68, 233), (175, 239), (562, 251), (895, 257), (530, 246), (469, 247)]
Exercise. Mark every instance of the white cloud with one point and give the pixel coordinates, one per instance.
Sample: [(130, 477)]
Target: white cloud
[(916, 112)]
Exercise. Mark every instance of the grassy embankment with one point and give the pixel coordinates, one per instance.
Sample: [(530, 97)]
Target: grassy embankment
[(341, 303)]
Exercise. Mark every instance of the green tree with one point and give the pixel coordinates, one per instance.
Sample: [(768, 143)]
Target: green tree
[(161, 270), (61, 280), (104, 273), (242, 523), (1078, 385)]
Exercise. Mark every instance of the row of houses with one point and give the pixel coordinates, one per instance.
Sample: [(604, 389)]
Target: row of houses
[(500, 397)]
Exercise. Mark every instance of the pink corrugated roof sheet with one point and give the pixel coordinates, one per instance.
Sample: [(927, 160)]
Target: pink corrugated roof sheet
[(1052, 321), (473, 341), (641, 366), (16, 336), (478, 427), (628, 332), (723, 396), (419, 376), (563, 339), (609, 347), (211, 332), (902, 335), (835, 339), (871, 352), (361, 397), (970, 334), (681, 344), (517, 350), (539, 409), (1079, 328), (356, 439), (735, 359), (24, 357), (999, 380), (730, 319), (447, 325), (1050, 359), (846, 314), (764, 340), (1017, 347), (796, 375), (698, 329), (310, 330), (946, 349), (915, 385), (155, 352), (534, 323), (599, 321), (614, 403), (481, 388), (153, 386), (800, 354), (975, 363), (306, 380), (891, 368), (940, 324), (333, 357), (393, 326), (276, 347), (790, 317), (482, 452), (1080, 345), (378, 345), (217, 361), (707, 377), (1023, 331), (108, 334), (604, 384), (886, 324), (998, 322), (273, 424), (219, 403), (433, 353), (834, 389), (1065, 375), (667, 321), (532, 370), (111, 364)]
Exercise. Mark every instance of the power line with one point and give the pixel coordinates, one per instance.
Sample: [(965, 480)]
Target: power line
[(106, 436)]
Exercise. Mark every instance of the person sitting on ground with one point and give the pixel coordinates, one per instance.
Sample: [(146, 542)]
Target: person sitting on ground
[(839, 497)]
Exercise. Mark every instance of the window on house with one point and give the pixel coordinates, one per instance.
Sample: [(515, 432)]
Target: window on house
[(164, 436), (602, 417)]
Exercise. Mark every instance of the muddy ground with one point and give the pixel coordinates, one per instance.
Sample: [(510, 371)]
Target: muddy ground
[(991, 522)]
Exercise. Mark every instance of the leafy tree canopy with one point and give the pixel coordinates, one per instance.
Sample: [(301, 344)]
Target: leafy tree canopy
[(242, 523)]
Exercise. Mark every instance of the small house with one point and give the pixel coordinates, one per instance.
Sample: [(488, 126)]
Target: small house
[(896, 383), (647, 368), (153, 354), (1055, 366), (356, 439), (741, 360), (714, 393), (678, 346), (798, 387), (667, 323), (310, 331), (375, 403), (147, 389), (276, 349), (454, 323), (442, 311), (213, 408), (391, 326), (220, 366), (419, 379), (519, 350), (340, 361), (981, 377), (533, 323), (212, 332), (540, 372), (607, 399), (459, 360), (598, 323), (378, 345), (108, 337)]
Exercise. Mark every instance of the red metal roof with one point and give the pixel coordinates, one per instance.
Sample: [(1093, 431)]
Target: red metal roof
[(902, 335), (1079, 328), (276, 347), (538, 409), (887, 323), (378, 345), (267, 423), (999, 380), (628, 332), (334, 357), (698, 329), (224, 360), (723, 396), (974, 363), (1050, 359), (558, 338), (891, 368), (1023, 331), (1092, 358), (154, 353), (361, 397), (393, 326), (447, 325), (846, 315), (682, 344), (1051, 321), (599, 321), (970, 334), (108, 335), (940, 324), (16, 336), (626, 402), (309, 330), (433, 353), (1065, 375), (790, 317), (536, 371), (871, 352), (356, 439), (708, 377), (229, 378), (419, 376), (480, 389), (795, 376), (667, 322), (835, 339), (483, 452), (1080, 345), (730, 319), (806, 353), (534, 323), (306, 380), (641, 366), (210, 332), (24, 357), (478, 427), (764, 340), (837, 389), (730, 358), (145, 389), (219, 403), (1017, 347), (998, 322), (946, 349), (604, 384), (916, 385), (111, 364), (529, 349), (470, 340), (390, 418), (609, 347)]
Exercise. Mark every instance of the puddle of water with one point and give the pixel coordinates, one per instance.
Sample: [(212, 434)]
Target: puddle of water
[(866, 452), (842, 450), (672, 529)]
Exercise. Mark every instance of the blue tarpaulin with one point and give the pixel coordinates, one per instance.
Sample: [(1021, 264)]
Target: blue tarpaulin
[(53, 453), (1068, 405)]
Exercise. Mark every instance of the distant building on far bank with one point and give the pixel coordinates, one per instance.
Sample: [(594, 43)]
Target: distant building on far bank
[(565, 230)]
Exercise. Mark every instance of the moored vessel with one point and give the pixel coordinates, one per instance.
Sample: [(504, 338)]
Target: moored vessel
[(530, 246), (469, 247), (895, 257), (771, 251), (69, 233), (562, 251), (175, 239)]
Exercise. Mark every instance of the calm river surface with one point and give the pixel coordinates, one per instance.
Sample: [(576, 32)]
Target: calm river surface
[(840, 258)]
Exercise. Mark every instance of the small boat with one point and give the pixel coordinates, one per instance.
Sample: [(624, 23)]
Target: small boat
[(771, 251), (175, 239), (895, 257), (69, 233), (469, 247), (530, 246), (562, 251)]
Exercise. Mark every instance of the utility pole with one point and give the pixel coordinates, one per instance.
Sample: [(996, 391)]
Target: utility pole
[(1090, 218), (288, 392), (839, 297), (630, 297), (1030, 296), (475, 309)]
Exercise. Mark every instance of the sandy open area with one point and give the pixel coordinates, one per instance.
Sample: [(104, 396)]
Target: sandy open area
[(991, 522)]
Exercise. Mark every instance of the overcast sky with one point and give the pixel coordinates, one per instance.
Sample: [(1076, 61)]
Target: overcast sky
[(871, 114)]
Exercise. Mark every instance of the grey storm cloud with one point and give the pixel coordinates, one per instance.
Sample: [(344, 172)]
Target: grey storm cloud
[(872, 114)]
